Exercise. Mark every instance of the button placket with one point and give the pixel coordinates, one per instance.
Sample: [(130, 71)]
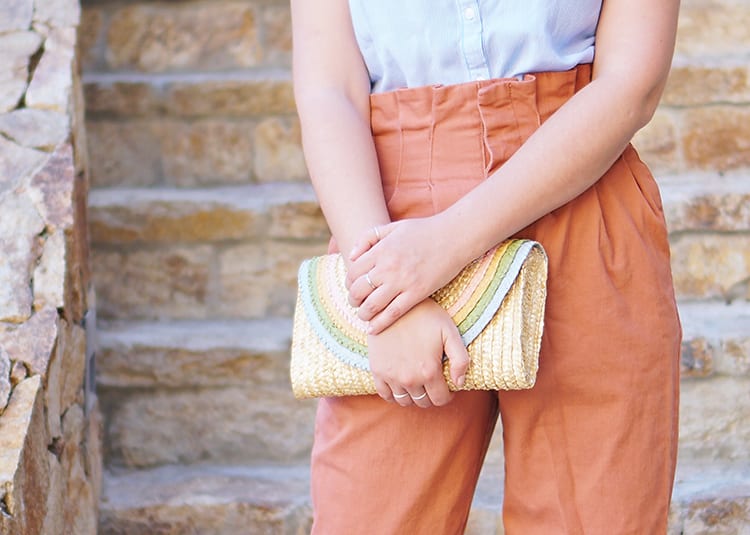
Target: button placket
[(471, 42)]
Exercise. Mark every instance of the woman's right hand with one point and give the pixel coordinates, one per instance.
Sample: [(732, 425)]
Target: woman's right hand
[(406, 359)]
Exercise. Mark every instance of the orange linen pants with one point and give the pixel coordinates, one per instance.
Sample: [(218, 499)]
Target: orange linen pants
[(591, 448)]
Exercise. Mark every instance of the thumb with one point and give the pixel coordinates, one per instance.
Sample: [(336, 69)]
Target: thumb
[(458, 356)]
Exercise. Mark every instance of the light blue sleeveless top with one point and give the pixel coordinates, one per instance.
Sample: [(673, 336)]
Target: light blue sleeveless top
[(411, 43)]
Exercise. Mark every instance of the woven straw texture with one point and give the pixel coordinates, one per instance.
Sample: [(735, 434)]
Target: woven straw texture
[(497, 303)]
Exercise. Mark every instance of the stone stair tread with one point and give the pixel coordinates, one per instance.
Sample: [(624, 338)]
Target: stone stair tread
[(206, 499), (165, 78), (193, 353), (716, 339), (253, 92), (706, 201), (241, 196), (130, 347), (715, 320), (705, 494), (274, 209)]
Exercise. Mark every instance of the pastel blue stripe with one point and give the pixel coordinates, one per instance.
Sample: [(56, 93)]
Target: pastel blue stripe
[(340, 352)]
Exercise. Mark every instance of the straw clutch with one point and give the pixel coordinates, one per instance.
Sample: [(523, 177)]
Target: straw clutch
[(497, 302)]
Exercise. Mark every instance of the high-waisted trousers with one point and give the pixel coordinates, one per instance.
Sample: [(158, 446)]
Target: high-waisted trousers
[(591, 448)]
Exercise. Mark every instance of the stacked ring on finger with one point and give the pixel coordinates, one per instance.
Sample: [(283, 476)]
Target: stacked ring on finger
[(401, 396), (369, 281), (421, 396)]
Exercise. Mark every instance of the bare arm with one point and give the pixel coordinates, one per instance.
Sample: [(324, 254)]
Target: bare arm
[(565, 156), (332, 91)]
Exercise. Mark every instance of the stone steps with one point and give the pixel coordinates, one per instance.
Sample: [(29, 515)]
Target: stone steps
[(233, 251), (187, 391), (206, 499), (166, 215), (184, 391), (211, 499), (230, 252)]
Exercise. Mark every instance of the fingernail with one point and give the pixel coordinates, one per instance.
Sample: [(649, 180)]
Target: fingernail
[(351, 253), (461, 381)]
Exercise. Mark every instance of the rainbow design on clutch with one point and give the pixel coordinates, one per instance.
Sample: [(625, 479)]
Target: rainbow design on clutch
[(472, 298)]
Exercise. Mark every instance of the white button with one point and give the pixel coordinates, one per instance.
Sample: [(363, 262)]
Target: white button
[(469, 13)]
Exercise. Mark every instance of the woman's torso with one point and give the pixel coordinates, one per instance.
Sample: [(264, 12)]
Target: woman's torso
[(423, 42)]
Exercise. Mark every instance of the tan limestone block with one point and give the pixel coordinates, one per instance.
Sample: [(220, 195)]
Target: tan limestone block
[(719, 337), (80, 508), (17, 164), (188, 353), (220, 500), (167, 215), (713, 28), (49, 274), (51, 83), (93, 456), (40, 129), (73, 340), (57, 13), (5, 385), (126, 98), (16, 15), (260, 279), (278, 151), (205, 36), (53, 521), (24, 468), (17, 49), (123, 153), (228, 424), (711, 266), (717, 137), (715, 203), (657, 143), (715, 418), (255, 94), (696, 358), (20, 225), (735, 356), (89, 36), (716, 514), (301, 220), (207, 151), (32, 342), (277, 29), (53, 384), (693, 84), (166, 282), (52, 188), (18, 372)]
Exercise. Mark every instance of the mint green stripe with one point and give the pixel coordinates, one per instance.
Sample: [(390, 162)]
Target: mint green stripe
[(499, 275), (325, 319)]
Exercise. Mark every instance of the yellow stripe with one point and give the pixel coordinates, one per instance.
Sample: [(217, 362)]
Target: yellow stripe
[(482, 287)]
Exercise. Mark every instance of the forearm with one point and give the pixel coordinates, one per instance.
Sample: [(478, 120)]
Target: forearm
[(564, 157), (343, 165), (579, 142)]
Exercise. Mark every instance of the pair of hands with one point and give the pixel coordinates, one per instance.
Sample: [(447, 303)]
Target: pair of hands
[(394, 269)]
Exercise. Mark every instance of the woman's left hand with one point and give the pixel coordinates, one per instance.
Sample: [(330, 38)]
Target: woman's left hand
[(395, 266)]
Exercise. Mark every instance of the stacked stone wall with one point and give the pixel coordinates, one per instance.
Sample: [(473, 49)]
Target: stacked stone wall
[(50, 425)]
